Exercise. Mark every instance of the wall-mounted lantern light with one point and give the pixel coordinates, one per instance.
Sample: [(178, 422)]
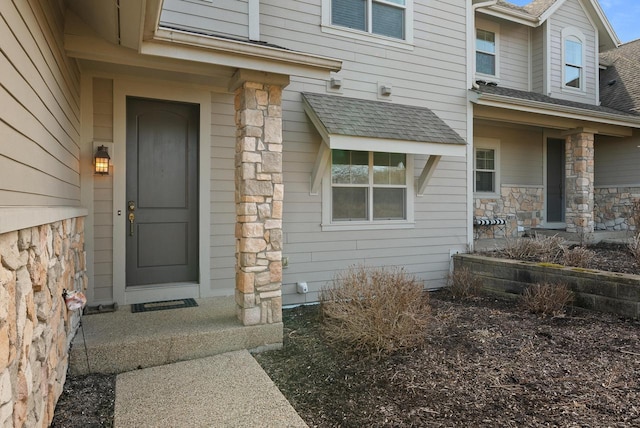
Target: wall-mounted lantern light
[(101, 160)]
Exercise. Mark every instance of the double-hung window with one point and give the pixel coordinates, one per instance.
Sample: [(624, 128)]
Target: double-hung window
[(368, 187), (382, 17), (486, 166), (573, 63), (573, 56), (486, 52)]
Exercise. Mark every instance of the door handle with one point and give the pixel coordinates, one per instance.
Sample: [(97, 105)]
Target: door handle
[(132, 217), (132, 207)]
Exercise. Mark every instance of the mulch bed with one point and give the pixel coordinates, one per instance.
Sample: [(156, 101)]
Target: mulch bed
[(484, 363), (86, 401)]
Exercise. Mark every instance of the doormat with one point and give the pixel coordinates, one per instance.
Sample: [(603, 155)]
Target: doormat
[(160, 306)]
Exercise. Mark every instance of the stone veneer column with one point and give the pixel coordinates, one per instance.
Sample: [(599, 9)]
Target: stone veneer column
[(579, 182), (259, 197)]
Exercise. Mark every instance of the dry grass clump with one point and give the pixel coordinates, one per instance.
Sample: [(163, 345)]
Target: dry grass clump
[(464, 284), (547, 249), (578, 256), (634, 245), (547, 298), (374, 311)]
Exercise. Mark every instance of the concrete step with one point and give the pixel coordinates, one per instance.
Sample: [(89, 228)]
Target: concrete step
[(121, 341)]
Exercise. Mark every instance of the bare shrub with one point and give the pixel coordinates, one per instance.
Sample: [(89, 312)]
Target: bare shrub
[(547, 298), (548, 249), (374, 311), (634, 247), (578, 256), (464, 284)]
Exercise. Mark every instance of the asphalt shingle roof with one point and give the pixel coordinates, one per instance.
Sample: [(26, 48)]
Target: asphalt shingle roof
[(380, 119), (536, 8), (620, 81), (533, 96)]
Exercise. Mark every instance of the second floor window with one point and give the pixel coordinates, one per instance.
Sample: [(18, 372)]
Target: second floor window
[(382, 17), (573, 63), (485, 52)]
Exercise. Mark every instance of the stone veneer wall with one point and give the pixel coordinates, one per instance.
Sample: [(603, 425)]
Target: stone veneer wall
[(519, 206), (579, 154), (614, 208), (36, 328), (259, 198)]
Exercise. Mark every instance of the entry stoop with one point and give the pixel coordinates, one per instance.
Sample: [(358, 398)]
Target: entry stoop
[(122, 341)]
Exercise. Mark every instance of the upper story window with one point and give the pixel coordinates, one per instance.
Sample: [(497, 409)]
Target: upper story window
[(368, 187), (573, 59), (573, 63), (486, 52), (382, 17)]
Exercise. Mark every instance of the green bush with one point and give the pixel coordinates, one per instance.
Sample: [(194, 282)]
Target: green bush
[(374, 311)]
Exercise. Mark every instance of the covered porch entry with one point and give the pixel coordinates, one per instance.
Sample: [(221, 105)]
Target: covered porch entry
[(224, 250), (544, 158)]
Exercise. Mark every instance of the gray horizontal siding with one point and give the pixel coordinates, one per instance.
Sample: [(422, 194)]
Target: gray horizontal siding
[(221, 17), (538, 71), (616, 161), (571, 14), (521, 160), (514, 56), (39, 93)]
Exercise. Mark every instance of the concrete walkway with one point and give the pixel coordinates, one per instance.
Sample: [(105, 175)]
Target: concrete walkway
[(226, 390)]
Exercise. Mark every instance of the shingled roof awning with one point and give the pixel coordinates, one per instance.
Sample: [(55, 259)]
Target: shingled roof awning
[(356, 124)]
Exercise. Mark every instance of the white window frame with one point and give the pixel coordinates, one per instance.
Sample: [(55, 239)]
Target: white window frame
[(407, 43), (487, 144), (327, 203), (569, 33), (494, 28)]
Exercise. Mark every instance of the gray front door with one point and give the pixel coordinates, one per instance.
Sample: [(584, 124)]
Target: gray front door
[(555, 180), (162, 192)]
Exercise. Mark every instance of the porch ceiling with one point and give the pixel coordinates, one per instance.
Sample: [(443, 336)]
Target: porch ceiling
[(127, 32)]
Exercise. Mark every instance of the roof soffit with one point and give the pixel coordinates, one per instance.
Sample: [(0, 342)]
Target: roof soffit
[(137, 28)]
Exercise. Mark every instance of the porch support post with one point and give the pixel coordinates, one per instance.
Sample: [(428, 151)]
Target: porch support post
[(259, 195), (579, 182)]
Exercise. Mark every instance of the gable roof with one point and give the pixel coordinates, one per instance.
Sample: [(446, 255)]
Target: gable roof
[(537, 12), (538, 7), (620, 80)]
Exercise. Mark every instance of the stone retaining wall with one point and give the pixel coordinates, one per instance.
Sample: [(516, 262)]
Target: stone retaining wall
[(614, 207), (36, 265), (597, 290)]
